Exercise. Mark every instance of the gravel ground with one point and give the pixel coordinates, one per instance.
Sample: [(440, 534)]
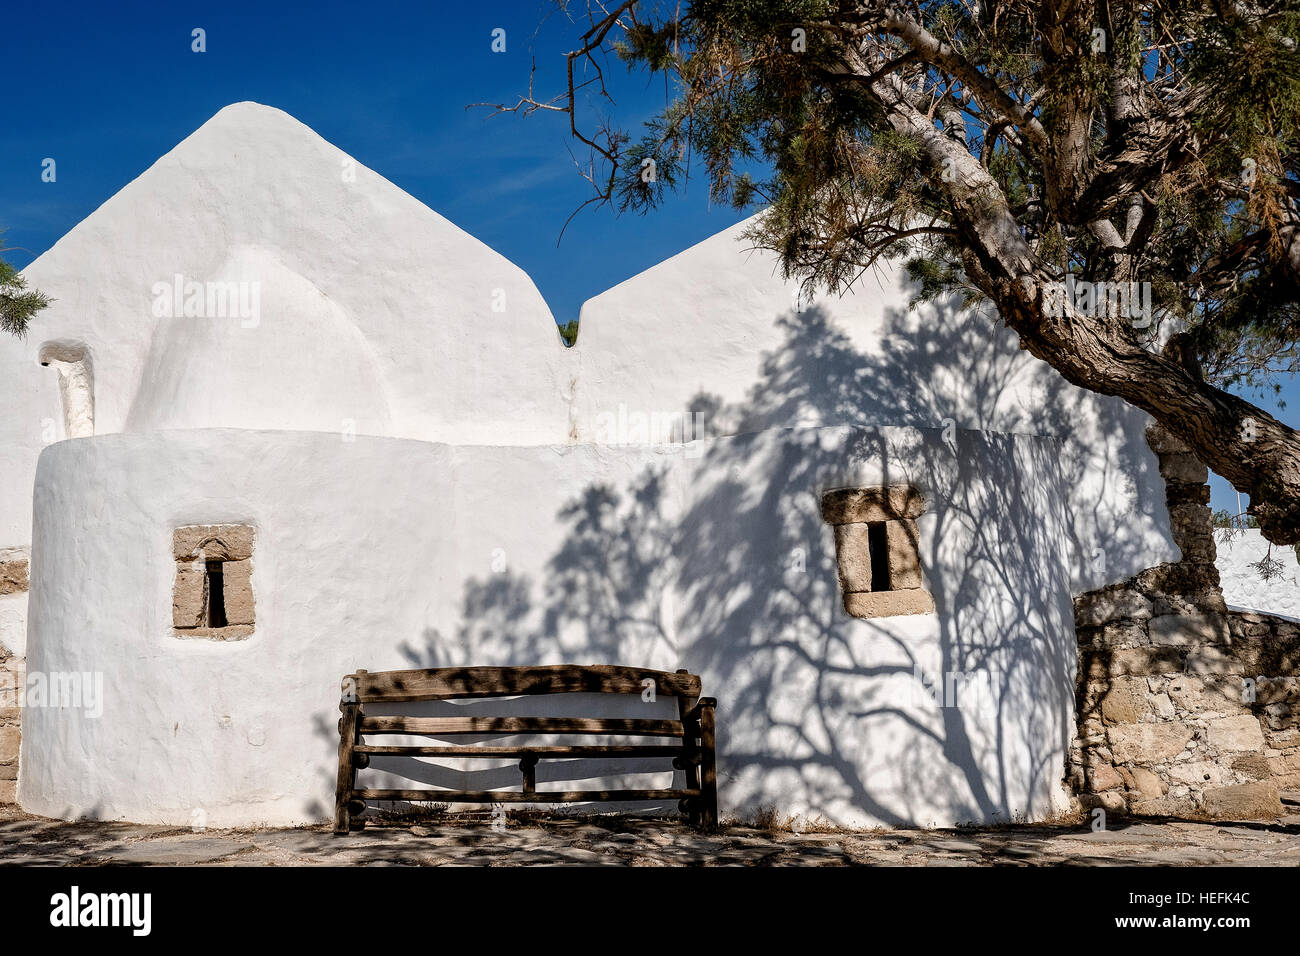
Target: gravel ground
[(632, 841)]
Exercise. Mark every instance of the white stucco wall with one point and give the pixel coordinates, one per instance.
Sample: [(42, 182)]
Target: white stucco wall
[(434, 481), (384, 553), (1244, 587), (715, 328), (377, 316)]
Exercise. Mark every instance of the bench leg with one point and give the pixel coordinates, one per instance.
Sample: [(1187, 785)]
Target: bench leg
[(708, 769), (348, 724), (687, 763)]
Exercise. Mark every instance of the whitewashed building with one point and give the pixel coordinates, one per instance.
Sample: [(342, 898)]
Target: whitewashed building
[(283, 421)]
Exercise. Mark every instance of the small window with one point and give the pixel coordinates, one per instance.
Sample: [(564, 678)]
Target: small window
[(216, 595), (877, 549), (213, 594)]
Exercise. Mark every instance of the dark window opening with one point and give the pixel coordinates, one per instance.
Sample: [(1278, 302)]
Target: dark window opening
[(878, 546), (216, 595)]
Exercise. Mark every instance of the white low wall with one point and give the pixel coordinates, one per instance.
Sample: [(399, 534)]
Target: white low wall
[(387, 553), (1243, 585)]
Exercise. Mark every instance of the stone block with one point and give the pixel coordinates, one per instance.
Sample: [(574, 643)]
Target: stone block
[(13, 576), (1191, 517), (1103, 777), (1257, 800), (189, 597), (1197, 774), (1215, 694), (219, 542), (853, 556), (1168, 806), (8, 791), (1124, 634), (1232, 734), (1196, 548), (1113, 604), (1270, 656), (1163, 442), (9, 738), (1112, 801), (1146, 744), (1284, 769), (1125, 702), (1147, 784), (1277, 694), (231, 632), (1184, 468), (847, 505), (1213, 660), (1188, 629), (904, 549), (888, 603), (238, 587), (1211, 599), (1179, 578), (1133, 661), (1252, 765)]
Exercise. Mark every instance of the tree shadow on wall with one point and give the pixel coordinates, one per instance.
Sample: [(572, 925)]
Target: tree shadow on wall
[(722, 564)]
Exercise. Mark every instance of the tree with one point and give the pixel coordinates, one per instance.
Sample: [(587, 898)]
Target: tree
[(569, 332), (1047, 158), (17, 304)]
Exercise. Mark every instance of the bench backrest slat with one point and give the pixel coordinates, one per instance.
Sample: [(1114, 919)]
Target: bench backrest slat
[(452, 726), (444, 683)]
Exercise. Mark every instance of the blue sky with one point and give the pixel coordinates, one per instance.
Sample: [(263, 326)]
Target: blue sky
[(107, 88)]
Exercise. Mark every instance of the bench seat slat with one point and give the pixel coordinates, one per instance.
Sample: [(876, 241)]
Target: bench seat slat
[(450, 726), (545, 753), (516, 796), (445, 683)]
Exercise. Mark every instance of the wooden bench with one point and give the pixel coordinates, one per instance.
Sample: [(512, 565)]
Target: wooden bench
[(693, 731)]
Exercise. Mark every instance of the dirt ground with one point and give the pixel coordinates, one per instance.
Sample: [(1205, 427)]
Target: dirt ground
[(635, 841)]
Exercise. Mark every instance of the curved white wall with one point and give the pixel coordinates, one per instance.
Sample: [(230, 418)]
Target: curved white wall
[(384, 553)]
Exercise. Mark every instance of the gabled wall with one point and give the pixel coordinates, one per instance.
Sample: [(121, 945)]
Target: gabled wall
[(377, 314), (717, 332)]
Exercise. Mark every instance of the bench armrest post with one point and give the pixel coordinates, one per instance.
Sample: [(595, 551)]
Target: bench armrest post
[(690, 766), (349, 733)]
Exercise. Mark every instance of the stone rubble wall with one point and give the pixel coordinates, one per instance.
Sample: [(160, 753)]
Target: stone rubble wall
[(1184, 707), (11, 679), (13, 580)]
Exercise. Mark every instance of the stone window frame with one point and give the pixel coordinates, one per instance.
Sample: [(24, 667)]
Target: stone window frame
[(194, 548), (76, 371), (876, 536)]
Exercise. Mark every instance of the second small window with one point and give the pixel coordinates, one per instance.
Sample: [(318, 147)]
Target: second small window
[(877, 549)]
